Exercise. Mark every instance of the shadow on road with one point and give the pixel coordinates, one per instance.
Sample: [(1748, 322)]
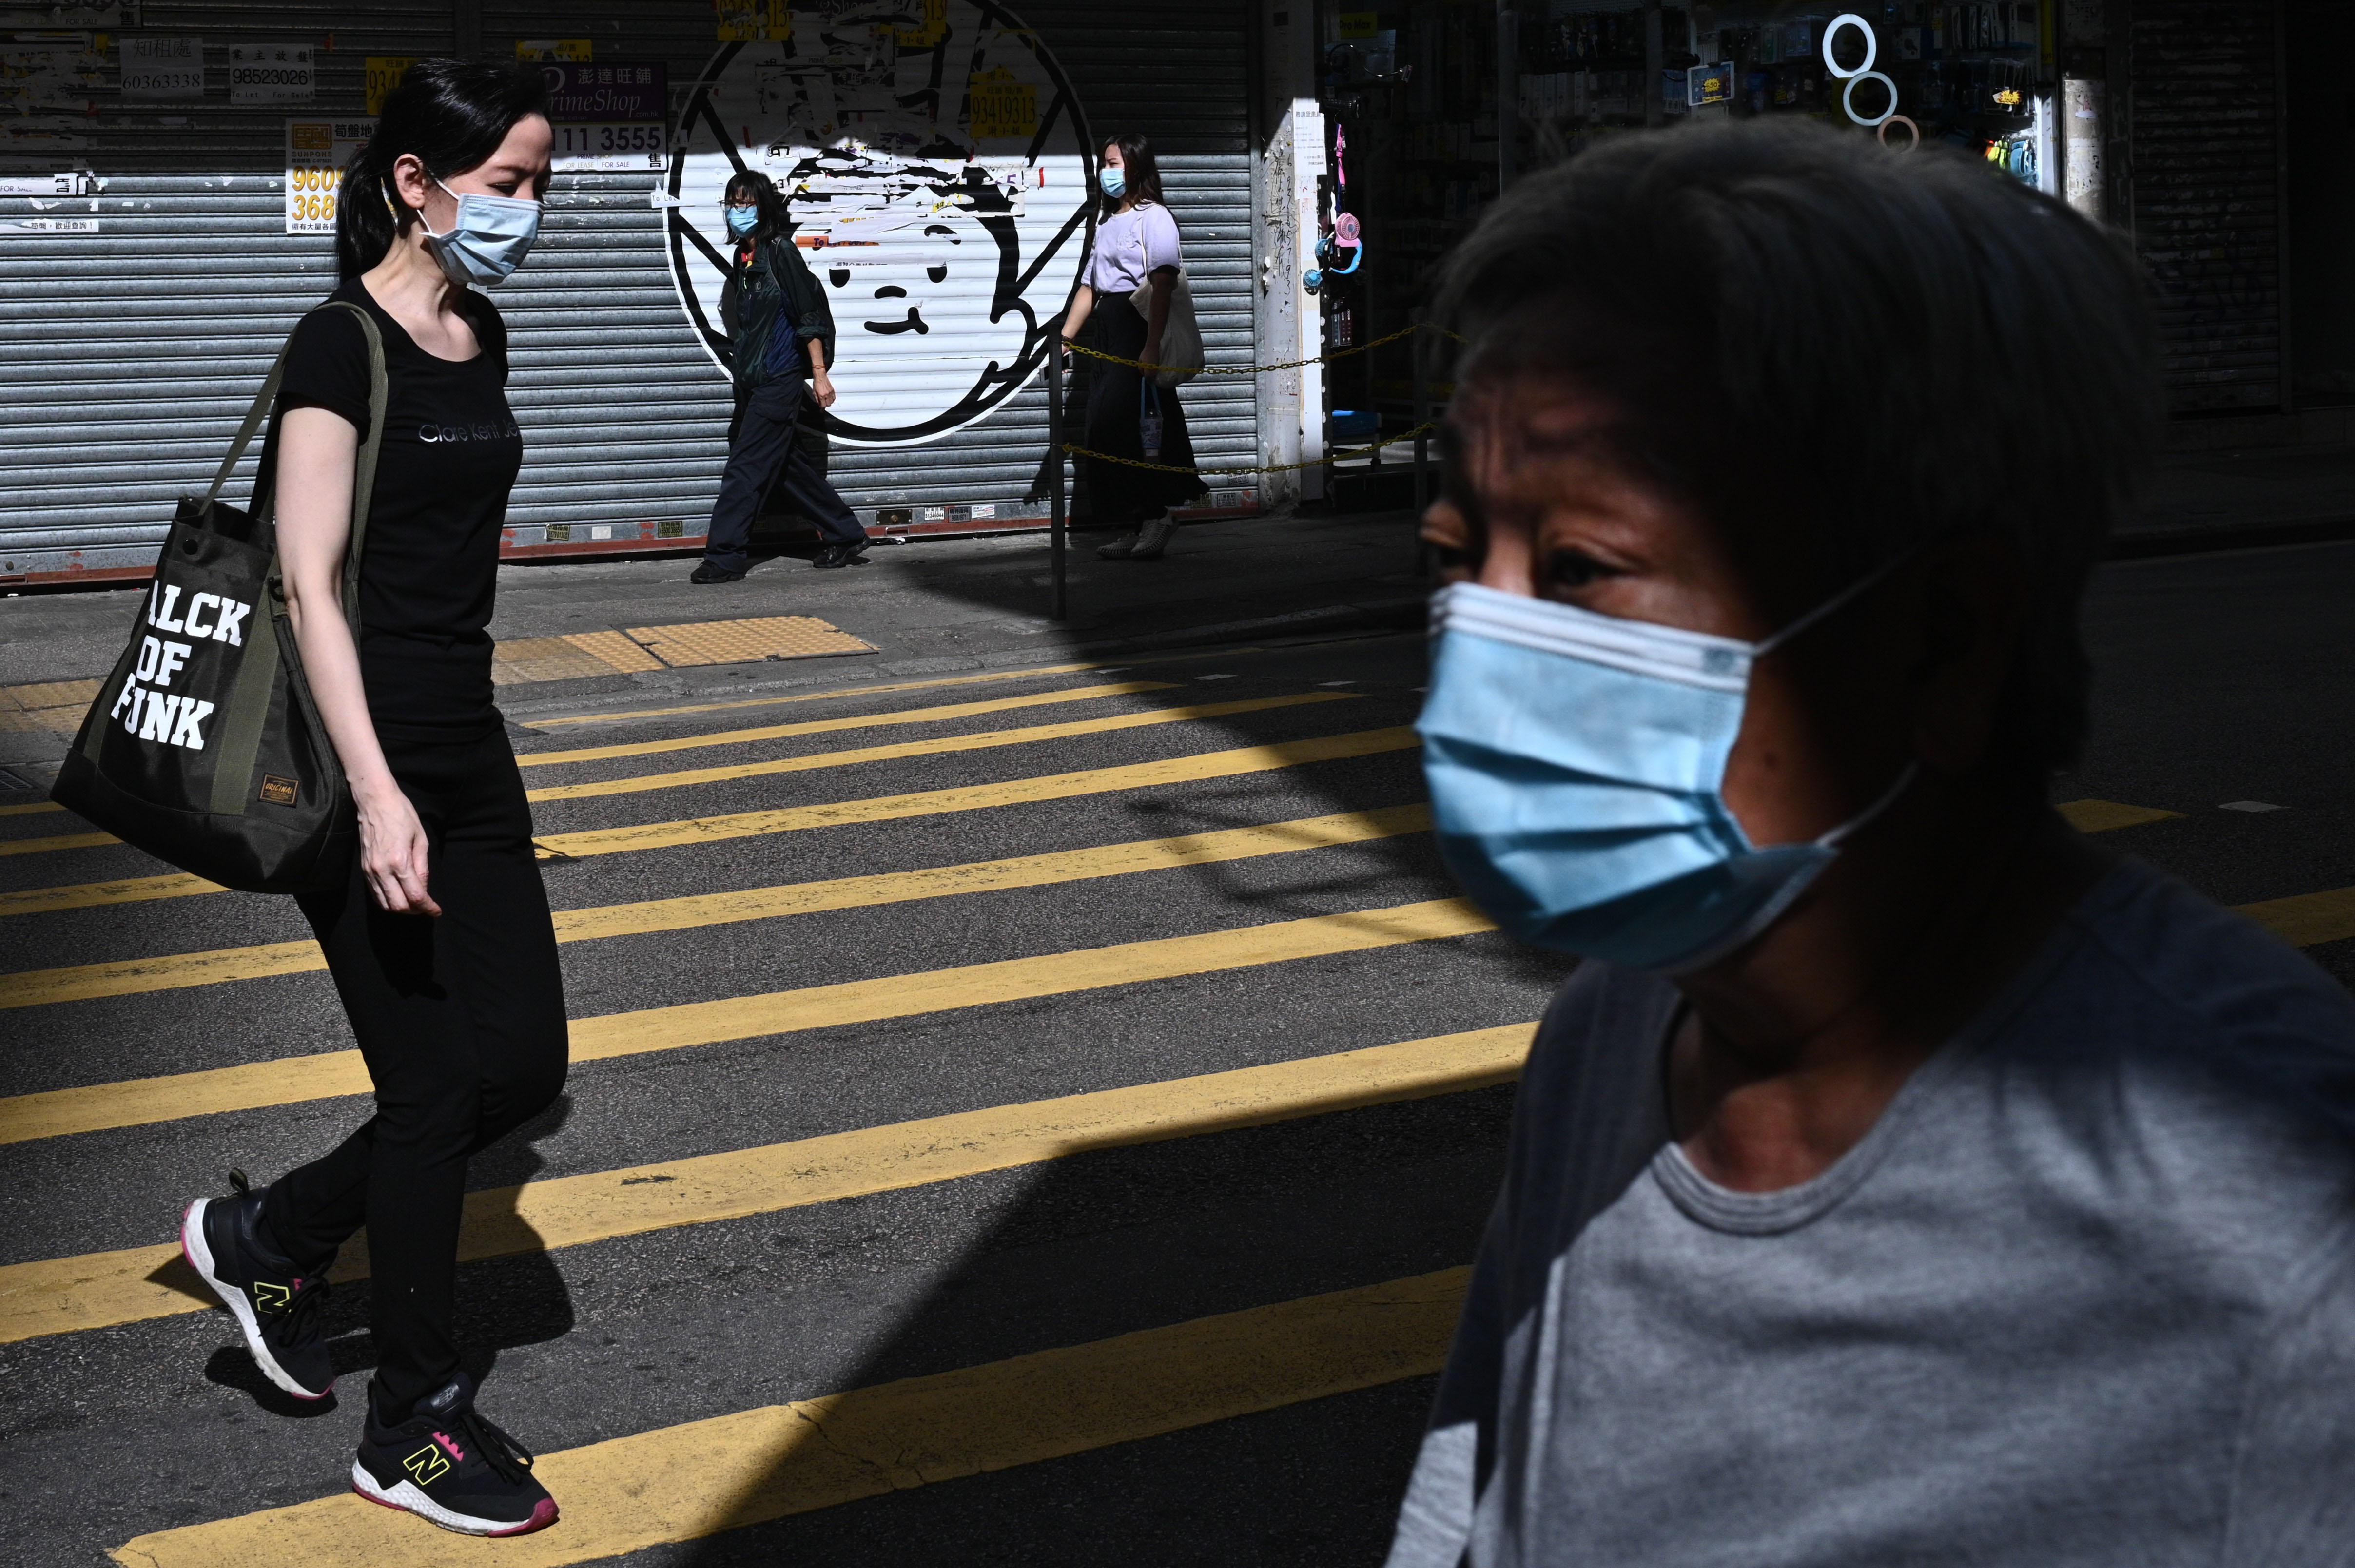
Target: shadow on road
[(1117, 1241), (517, 1298)]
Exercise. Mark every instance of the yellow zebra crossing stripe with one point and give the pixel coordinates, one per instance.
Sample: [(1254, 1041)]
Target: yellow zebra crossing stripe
[(684, 1482), (979, 797), (938, 714), (937, 745), (64, 1296), (29, 807), (81, 982), (2107, 816), (2308, 919), (90, 895), (46, 844), (832, 693), (290, 1080)]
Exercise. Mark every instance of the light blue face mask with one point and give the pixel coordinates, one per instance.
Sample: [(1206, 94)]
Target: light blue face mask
[(489, 238), (1115, 182), (1576, 764), (742, 220)]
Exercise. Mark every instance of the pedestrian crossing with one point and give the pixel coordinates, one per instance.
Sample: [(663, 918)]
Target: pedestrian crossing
[(763, 1460), (98, 1290)]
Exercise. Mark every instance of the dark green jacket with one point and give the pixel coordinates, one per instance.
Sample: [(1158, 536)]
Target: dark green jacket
[(748, 306)]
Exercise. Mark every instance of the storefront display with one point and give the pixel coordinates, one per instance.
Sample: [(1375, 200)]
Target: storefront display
[(165, 245)]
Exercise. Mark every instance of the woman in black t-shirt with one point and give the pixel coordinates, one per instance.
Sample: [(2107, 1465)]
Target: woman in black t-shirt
[(441, 944)]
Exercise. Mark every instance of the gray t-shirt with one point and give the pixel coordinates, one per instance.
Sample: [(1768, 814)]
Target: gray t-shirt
[(2084, 1294)]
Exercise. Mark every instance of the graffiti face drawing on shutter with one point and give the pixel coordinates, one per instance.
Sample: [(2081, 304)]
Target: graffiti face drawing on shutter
[(938, 172)]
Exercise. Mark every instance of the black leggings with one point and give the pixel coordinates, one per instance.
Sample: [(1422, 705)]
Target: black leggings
[(460, 1020)]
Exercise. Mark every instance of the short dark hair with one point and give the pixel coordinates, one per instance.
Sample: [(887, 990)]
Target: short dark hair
[(452, 114), (1140, 174), (776, 219), (1861, 351)]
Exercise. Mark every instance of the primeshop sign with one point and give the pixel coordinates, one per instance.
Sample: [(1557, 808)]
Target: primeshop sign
[(608, 115)]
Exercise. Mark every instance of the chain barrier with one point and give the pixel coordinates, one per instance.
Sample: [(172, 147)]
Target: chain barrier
[(1255, 369), (1266, 468)]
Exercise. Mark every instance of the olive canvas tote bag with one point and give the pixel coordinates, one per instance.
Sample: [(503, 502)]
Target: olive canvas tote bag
[(204, 747)]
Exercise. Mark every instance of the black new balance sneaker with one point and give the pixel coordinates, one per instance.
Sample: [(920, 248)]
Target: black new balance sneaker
[(448, 1464), (277, 1307)]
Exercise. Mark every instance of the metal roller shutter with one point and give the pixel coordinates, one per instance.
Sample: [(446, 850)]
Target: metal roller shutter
[(920, 442), (127, 355), (130, 352), (2207, 172)]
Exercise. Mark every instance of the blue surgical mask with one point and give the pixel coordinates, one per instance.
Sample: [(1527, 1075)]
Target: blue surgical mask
[(1576, 764), (489, 238), (742, 220), (1115, 182)]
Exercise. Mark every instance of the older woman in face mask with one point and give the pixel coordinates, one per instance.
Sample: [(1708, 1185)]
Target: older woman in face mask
[(1904, 1178), (1128, 415)]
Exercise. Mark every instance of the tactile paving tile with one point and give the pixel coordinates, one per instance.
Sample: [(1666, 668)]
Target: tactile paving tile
[(568, 657), (747, 642), (55, 707)]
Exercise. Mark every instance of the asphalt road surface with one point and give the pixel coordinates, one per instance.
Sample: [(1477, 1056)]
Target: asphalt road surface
[(1025, 1118)]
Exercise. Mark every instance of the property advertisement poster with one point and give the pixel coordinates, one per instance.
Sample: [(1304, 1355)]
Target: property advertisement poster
[(317, 153)]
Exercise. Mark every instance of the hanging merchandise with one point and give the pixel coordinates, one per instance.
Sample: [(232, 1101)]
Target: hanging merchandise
[(1861, 73), (1345, 233), (1346, 236), (2015, 156)]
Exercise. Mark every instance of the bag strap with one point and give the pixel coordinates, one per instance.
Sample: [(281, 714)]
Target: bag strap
[(363, 469), (254, 417)]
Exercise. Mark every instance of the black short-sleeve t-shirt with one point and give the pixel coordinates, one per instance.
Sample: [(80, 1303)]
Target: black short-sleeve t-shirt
[(429, 563)]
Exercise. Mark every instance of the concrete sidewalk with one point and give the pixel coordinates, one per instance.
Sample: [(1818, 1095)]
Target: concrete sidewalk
[(2209, 500)]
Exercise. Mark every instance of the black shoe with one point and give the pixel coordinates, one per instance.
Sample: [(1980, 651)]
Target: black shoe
[(448, 1464), (276, 1307), (852, 554), (709, 573)]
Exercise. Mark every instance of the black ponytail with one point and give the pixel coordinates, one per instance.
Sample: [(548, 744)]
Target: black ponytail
[(452, 114)]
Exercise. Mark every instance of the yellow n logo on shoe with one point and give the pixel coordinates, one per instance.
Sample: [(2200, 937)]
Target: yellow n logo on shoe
[(427, 1466), (271, 1298)]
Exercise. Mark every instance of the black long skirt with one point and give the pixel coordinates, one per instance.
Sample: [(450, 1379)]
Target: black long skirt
[(1117, 493)]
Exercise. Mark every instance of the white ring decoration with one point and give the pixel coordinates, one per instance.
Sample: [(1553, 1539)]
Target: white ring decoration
[(1872, 46), (1847, 97)]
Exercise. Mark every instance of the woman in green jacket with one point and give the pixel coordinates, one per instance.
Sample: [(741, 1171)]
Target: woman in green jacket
[(780, 334)]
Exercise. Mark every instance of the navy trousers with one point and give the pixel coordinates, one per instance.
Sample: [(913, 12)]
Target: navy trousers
[(765, 454)]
